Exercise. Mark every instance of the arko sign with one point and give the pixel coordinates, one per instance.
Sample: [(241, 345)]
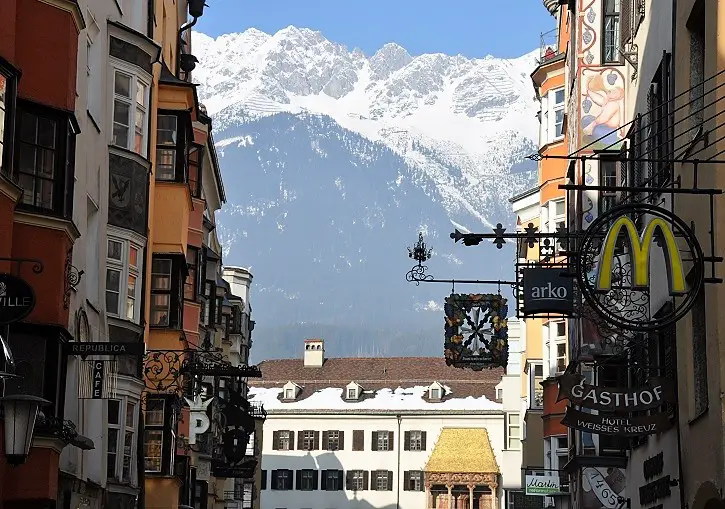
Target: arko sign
[(17, 298), (547, 290)]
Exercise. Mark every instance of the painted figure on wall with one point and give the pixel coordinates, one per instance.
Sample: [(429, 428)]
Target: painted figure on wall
[(602, 108)]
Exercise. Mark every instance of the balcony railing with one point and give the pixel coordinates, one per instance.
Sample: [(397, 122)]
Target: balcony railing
[(257, 411), (549, 47)]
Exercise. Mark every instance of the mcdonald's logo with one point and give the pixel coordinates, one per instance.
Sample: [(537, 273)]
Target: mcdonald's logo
[(640, 255)]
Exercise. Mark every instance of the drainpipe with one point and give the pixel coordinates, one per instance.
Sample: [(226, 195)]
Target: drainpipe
[(397, 483), (186, 26)]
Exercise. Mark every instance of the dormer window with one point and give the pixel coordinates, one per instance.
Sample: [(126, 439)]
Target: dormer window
[(290, 391), (289, 394), (435, 394), (352, 393), (435, 391)]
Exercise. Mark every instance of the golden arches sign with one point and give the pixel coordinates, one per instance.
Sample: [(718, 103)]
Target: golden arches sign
[(640, 255)]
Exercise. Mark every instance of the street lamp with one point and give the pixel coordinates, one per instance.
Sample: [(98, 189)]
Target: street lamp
[(20, 412)]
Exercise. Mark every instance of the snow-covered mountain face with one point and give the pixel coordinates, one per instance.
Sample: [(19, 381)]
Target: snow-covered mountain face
[(334, 160)]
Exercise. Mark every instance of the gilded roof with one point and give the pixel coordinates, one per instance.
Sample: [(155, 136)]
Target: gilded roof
[(463, 451)]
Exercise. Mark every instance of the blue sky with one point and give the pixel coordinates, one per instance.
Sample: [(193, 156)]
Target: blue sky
[(473, 28)]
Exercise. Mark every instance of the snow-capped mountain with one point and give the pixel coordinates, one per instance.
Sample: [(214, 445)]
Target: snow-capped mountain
[(333, 160)]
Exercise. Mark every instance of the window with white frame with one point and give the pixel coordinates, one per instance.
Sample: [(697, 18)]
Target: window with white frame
[(558, 220), (558, 113), (559, 331), (121, 443), (124, 265), (513, 431), (130, 110), (552, 116), (536, 391), (352, 393)]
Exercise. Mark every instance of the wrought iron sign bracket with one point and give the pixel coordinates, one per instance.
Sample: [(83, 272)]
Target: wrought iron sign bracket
[(631, 55), (37, 268)]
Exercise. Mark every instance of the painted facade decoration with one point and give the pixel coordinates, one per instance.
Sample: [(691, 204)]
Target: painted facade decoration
[(603, 487), (602, 108)]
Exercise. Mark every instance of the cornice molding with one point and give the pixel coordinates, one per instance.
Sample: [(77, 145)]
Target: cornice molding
[(72, 8), (49, 222), (47, 442), (10, 188)]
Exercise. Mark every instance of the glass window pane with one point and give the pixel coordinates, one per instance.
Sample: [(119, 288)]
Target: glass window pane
[(121, 112), (120, 135), (514, 419), (131, 298), (133, 256), (28, 127), (140, 94), (130, 414), (122, 85), (114, 406), (167, 129), (114, 250), (113, 280), (559, 96), (46, 133)]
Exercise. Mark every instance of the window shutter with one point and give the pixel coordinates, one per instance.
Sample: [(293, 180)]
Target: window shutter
[(300, 435), (275, 477), (625, 23), (323, 481), (341, 447), (348, 480), (422, 480), (275, 440), (373, 480), (315, 479), (291, 440), (406, 480), (406, 441), (358, 440), (264, 480), (298, 482), (325, 440), (422, 440), (316, 441), (366, 479), (374, 441), (391, 436), (390, 480), (339, 480)]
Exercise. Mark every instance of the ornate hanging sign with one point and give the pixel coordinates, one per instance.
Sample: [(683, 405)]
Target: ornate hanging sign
[(615, 265), (616, 425), (199, 419), (573, 388), (17, 298), (476, 331), (547, 290)]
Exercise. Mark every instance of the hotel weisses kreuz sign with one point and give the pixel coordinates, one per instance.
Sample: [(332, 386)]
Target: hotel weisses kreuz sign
[(17, 299)]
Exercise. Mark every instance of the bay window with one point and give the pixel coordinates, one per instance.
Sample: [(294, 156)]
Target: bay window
[(191, 288), (130, 111), (7, 101), (173, 131), (196, 157), (168, 273), (121, 443), (513, 431), (124, 266), (45, 158), (159, 436)]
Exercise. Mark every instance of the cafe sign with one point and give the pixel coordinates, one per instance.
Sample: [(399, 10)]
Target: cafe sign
[(17, 299), (542, 485), (573, 388)]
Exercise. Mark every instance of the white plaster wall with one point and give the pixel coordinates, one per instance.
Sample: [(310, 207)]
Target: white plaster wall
[(348, 459), (665, 443)]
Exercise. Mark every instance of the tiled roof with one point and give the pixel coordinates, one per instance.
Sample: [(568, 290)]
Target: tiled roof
[(463, 451), (379, 373)]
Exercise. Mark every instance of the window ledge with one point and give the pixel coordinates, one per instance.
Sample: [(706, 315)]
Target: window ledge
[(698, 416), (130, 154), (50, 222)]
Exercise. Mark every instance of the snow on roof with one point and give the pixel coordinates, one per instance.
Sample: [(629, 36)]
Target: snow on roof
[(330, 398)]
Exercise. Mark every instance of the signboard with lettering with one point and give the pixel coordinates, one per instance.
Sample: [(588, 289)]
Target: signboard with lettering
[(547, 290), (543, 485), (104, 348), (199, 419), (603, 488), (616, 425), (97, 380), (573, 388), (17, 298)]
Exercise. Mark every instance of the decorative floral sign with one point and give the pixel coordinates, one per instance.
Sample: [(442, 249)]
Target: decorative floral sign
[(476, 331)]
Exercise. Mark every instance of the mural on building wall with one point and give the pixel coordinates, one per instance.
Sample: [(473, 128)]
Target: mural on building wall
[(602, 108), (603, 487)]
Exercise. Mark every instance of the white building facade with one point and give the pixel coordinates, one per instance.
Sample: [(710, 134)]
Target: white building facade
[(361, 433)]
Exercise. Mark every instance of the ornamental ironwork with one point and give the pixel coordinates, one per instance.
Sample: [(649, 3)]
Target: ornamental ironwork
[(476, 331)]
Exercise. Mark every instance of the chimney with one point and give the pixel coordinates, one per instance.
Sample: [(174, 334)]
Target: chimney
[(240, 280), (314, 353)]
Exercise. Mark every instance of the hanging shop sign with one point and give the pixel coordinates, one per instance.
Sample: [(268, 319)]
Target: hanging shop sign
[(199, 419), (17, 298), (520, 500), (547, 290), (655, 489), (617, 282), (574, 388), (97, 375), (476, 331), (603, 488), (616, 425), (543, 486), (104, 348)]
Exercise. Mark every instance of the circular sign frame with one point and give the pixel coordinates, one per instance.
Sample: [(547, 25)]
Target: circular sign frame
[(13, 288), (634, 300)]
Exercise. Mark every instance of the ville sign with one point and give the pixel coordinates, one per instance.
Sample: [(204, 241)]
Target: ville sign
[(17, 299), (547, 290)]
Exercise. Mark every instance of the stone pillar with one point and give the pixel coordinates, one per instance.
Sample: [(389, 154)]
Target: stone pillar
[(450, 504), (470, 487), (494, 496), (428, 498)]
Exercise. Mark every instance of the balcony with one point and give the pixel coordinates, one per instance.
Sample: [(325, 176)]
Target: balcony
[(257, 411), (549, 46)]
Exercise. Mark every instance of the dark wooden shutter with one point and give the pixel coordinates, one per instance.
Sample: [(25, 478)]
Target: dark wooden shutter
[(298, 479), (366, 479), (406, 441), (323, 481), (339, 480), (625, 21), (341, 447), (275, 477), (315, 479), (291, 436), (391, 437), (421, 484), (300, 436), (406, 480), (422, 441), (325, 440), (275, 440), (348, 480), (390, 480), (264, 480), (358, 440), (315, 440), (373, 480), (374, 441)]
